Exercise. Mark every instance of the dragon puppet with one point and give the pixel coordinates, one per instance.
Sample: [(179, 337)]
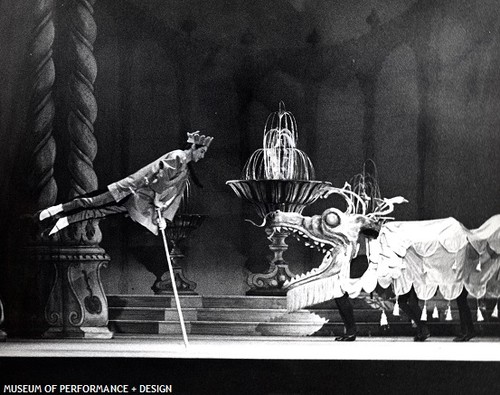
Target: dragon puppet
[(417, 256)]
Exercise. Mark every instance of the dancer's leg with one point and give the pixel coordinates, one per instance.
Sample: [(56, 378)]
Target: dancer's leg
[(409, 304), (347, 314), (466, 324), (92, 199), (89, 201), (91, 213)]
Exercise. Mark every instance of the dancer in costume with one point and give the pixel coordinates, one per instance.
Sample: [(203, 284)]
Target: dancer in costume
[(160, 184)]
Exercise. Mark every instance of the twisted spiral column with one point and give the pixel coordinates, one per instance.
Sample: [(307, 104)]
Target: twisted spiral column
[(77, 305), (41, 108), (83, 106)]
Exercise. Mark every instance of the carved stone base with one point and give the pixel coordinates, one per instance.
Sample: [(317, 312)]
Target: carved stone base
[(270, 283), (184, 286), (76, 305)]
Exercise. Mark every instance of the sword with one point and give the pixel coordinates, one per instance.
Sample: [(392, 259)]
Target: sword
[(172, 279)]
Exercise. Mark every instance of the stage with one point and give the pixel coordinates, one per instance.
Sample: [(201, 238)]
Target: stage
[(260, 348), (252, 365)]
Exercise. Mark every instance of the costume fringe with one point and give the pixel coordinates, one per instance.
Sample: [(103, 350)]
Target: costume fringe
[(311, 293), (448, 313), (383, 319), (494, 314), (423, 317), (395, 311), (435, 312), (479, 314)]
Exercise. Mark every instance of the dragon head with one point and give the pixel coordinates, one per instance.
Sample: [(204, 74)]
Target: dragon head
[(336, 234)]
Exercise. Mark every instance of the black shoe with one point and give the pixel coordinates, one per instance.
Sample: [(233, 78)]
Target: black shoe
[(346, 338), (47, 224), (464, 338), (422, 335)]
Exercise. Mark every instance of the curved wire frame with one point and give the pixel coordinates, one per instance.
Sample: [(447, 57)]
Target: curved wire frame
[(366, 186), (364, 196), (279, 159)]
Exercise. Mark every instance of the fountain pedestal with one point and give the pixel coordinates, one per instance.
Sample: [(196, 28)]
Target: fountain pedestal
[(184, 286), (271, 282), (152, 255)]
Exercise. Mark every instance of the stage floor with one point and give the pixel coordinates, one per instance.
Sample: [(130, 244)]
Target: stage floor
[(261, 348), (255, 365)]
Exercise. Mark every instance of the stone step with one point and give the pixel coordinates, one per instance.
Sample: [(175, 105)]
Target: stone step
[(266, 302), (248, 302), (166, 301), (254, 314), (263, 315), (267, 316), (228, 328), (151, 313), (148, 327)]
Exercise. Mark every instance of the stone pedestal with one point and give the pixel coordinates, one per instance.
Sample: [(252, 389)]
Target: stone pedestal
[(76, 306), (184, 286), (271, 282), (151, 253)]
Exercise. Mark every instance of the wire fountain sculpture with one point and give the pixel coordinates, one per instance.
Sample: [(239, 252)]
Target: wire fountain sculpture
[(277, 176)]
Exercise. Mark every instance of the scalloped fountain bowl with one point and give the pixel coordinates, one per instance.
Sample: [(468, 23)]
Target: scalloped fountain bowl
[(182, 225), (285, 195)]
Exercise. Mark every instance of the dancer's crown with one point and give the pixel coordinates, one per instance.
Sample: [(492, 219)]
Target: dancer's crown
[(199, 139)]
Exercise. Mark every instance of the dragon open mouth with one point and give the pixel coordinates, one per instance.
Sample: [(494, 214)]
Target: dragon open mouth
[(333, 233), (307, 239)]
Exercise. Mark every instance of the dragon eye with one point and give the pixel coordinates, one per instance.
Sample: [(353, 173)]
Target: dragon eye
[(332, 219)]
